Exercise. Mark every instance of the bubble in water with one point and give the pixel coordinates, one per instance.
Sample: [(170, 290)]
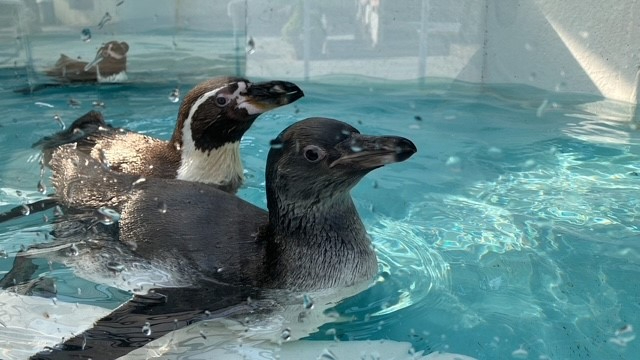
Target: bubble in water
[(286, 334), (85, 35), (58, 120), (174, 96), (146, 329), (42, 188), (107, 216), (25, 210), (105, 19)]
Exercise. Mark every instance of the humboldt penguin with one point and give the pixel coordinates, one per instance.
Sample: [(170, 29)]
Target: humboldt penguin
[(204, 147), (108, 66), (224, 248)]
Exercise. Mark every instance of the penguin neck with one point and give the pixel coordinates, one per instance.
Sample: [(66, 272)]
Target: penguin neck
[(318, 244), (220, 166)]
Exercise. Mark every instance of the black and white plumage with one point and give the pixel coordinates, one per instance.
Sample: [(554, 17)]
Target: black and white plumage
[(225, 249)]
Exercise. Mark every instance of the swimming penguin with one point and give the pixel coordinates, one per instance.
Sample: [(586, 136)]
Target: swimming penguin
[(222, 247), (205, 145), (108, 66)]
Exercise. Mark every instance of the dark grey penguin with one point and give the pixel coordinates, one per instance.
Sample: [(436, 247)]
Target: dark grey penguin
[(225, 248), (205, 145)]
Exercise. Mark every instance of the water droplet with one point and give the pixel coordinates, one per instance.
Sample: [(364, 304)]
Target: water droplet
[(251, 46), (307, 301), (520, 353), (139, 181), (417, 118), (18, 192), (98, 104), (54, 300), (43, 104), (102, 156), (328, 354), (79, 291), (174, 96), (84, 341), (207, 313), (453, 160), (107, 216), (3, 254), (57, 211), (203, 335), (356, 148), (286, 334), (105, 19), (25, 210), (73, 250), (73, 103), (120, 3), (162, 207), (146, 329), (85, 35), (42, 188), (58, 120), (583, 34), (276, 144), (115, 266)]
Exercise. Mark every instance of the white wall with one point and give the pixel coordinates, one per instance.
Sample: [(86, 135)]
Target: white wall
[(590, 46)]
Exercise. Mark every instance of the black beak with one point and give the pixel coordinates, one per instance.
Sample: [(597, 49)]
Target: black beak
[(363, 152), (272, 94)]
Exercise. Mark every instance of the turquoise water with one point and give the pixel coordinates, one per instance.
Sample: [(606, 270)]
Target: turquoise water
[(512, 233)]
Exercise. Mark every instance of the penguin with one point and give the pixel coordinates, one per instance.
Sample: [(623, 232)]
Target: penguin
[(108, 66), (204, 147), (222, 248)]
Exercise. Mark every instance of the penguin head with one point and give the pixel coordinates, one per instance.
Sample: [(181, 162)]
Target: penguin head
[(221, 110), (320, 157)]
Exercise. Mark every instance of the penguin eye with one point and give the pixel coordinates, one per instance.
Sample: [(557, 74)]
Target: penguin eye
[(221, 101), (313, 153)]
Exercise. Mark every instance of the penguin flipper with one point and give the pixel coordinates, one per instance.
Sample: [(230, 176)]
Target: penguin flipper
[(148, 317), (83, 127)]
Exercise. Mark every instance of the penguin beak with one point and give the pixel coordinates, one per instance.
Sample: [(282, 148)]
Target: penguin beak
[(262, 97), (363, 152)]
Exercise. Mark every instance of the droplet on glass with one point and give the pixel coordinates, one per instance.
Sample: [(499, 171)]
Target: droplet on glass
[(520, 353), (105, 19), (42, 188), (85, 35), (43, 104), (73, 250), (18, 192), (202, 335), (115, 266), (98, 104), (57, 211), (328, 355), (3, 254), (120, 3), (146, 329), (103, 158), (286, 334), (276, 144), (251, 46), (307, 302), (174, 96), (25, 210), (58, 120), (417, 118), (73, 103), (107, 216), (162, 207)]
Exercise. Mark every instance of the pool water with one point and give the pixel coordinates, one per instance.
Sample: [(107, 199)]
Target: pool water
[(512, 233)]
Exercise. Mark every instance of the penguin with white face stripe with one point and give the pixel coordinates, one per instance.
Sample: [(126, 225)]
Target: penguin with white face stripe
[(205, 146)]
